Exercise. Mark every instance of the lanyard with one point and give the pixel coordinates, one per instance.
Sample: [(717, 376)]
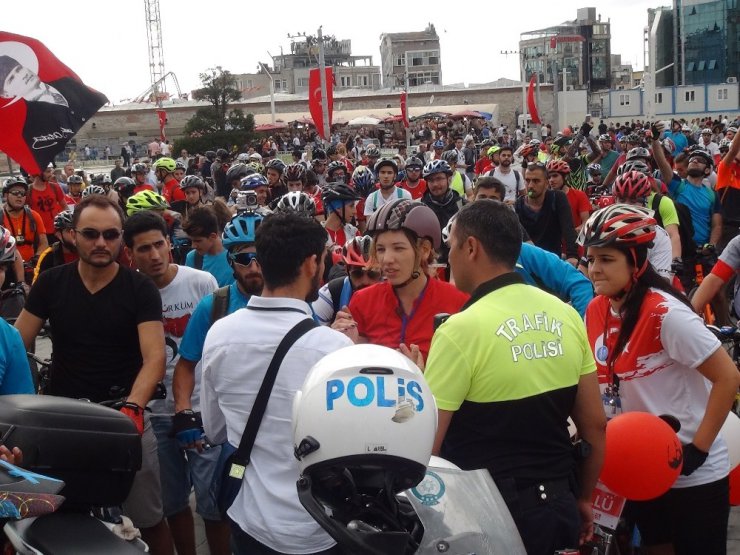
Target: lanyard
[(21, 229), (611, 399), (405, 319)]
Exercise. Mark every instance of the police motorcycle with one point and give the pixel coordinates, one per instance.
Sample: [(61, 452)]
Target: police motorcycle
[(364, 425), (74, 451)]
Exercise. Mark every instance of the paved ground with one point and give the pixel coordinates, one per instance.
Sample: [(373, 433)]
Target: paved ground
[(43, 349)]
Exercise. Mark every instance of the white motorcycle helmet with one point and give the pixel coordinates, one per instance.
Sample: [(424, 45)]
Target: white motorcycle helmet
[(363, 428)]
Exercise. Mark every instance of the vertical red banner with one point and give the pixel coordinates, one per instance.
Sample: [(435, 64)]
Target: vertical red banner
[(531, 104), (162, 115), (314, 99), (404, 109)]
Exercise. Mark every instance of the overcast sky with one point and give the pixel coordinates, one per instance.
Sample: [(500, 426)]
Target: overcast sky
[(105, 42)]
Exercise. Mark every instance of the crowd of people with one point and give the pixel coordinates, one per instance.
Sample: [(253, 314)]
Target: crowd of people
[(563, 262)]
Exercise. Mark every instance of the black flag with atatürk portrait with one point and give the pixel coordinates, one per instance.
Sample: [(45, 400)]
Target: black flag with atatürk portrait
[(42, 102)]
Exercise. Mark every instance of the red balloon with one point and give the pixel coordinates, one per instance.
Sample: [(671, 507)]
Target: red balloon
[(735, 486), (643, 456)]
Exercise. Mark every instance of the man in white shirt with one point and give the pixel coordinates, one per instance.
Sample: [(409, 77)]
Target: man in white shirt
[(386, 171), (707, 143), (266, 515), (511, 178)]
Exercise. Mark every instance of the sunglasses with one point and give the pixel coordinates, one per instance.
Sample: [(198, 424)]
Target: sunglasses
[(537, 165), (18, 193), (413, 169), (243, 258), (94, 234), (357, 273)]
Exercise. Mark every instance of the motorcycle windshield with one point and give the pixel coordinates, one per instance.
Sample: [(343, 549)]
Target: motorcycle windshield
[(463, 513)]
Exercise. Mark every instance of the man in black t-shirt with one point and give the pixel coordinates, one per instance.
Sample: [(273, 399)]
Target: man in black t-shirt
[(108, 342)]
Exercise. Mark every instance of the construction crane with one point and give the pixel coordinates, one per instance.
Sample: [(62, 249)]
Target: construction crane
[(156, 54)]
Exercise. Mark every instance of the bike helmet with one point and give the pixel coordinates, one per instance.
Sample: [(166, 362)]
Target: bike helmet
[(410, 215), (639, 153), (251, 182), (74, 180), (242, 158), (669, 145), (363, 180), (706, 131), (222, 153), (606, 138), (145, 200), (319, 154), (438, 144), (256, 167), (413, 162), (295, 172), (334, 166), (724, 144), (559, 144), (619, 225), (139, 168), (528, 150), (703, 154), (372, 151), (211, 155), (124, 186), (731, 129), (7, 246), (105, 179), (241, 230), (331, 150), (256, 157), (63, 220), (633, 138), (338, 192), (190, 181), (93, 190), (385, 162), (437, 166), (594, 169), (450, 156), (357, 449), (15, 182), (238, 171), (298, 202), (638, 165), (276, 164), (558, 166), (632, 185), (356, 251), (166, 164)]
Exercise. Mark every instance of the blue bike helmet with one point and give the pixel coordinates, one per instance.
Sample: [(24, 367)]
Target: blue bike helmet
[(253, 181), (241, 230)]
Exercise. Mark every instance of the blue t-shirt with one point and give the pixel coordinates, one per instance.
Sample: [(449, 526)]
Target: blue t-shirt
[(15, 373), (607, 162), (215, 264), (680, 140), (701, 201), (191, 346)]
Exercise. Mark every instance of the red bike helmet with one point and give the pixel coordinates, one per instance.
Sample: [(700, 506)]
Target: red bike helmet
[(356, 251), (619, 225), (632, 185), (558, 166)]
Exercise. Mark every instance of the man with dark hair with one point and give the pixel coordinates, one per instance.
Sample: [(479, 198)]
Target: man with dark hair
[(108, 342), (267, 516), (181, 289), (511, 367), (489, 188), (208, 254)]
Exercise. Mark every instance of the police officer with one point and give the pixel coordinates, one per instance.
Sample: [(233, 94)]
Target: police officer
[(511, 367)]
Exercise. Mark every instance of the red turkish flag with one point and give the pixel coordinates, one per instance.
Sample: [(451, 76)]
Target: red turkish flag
[(162, 115), (43, 103), (531, 105), (404, 109), (314, 99)]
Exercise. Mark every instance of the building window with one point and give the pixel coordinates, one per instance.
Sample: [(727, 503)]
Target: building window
[(690, 66), (712, 64), (400, 60), (363, 81), (659, 98), (249, 84), (701, 66), (345, 80), (689, 96), (722, 93), (624, 100), (302, 82)]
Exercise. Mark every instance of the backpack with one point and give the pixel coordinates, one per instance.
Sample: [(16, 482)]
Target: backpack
[(685, 225), (220, 303)]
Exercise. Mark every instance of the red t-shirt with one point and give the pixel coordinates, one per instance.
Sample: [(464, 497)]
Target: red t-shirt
[(483, 165), (578, 203), (47, 203), (377, 311), (143, 187), (416, 192), (171, 191)]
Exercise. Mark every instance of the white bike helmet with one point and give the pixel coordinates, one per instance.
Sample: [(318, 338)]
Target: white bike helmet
[(363, 429)]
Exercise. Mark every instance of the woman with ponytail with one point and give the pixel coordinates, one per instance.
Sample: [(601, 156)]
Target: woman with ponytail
[(653, 354)]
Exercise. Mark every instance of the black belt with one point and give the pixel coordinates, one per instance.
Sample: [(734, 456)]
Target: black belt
[(540, 493)]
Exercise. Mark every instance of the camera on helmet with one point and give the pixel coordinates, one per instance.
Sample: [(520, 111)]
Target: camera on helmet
[(246, 201)]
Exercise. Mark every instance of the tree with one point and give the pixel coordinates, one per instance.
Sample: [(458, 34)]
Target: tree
[(219, 88)]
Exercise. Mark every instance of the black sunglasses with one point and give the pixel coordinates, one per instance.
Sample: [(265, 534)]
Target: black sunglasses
[(243, 258), (94, 234), (357, 273), (18, 193)]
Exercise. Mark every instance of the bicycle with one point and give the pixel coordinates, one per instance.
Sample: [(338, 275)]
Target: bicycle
[(703, 260), (729, 336)]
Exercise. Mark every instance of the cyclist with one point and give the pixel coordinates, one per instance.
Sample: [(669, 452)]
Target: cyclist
[(608, 156), (529, 152), (139, 173), (483, 164), (204, 231), (399, 312), (24, 223), (594, 183), (63, 251), (94, 190), (318, 166), (149, 200), (180, 170), (363, 181), (361, 272), (181, 289), (46, 197), (339, 202), (274, 170), (511, 178), (441, 198), (74, 184), (459, 182), (295, 177), (336, 172), (557, 177), (372, 153), (234, 176), (726, 267), (194, 189), (728, 186), (164, 169), (298, 202), (386, 171), (256, 183), (654, 354)]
